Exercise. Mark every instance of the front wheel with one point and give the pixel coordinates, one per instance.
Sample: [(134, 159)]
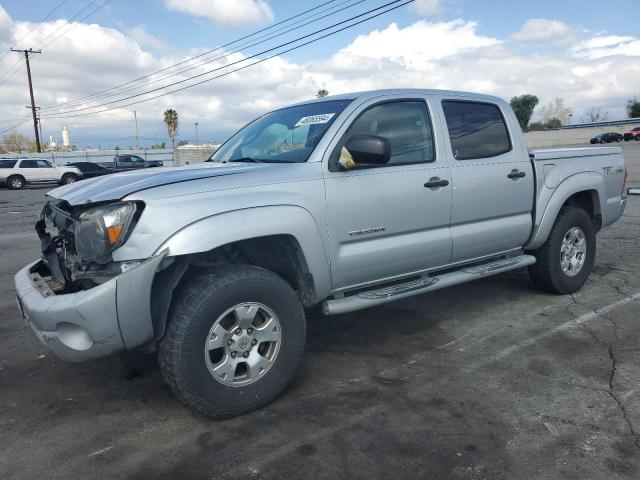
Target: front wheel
[(234, 341), (565, 260)]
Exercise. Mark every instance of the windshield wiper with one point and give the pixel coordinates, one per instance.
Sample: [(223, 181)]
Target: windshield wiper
[(247, 159)]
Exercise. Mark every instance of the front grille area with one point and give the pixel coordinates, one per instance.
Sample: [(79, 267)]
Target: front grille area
[(58, 249)]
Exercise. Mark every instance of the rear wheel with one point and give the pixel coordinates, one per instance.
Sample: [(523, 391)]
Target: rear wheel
[(16, 182), (68, 178), (234, 341), (565, 260)]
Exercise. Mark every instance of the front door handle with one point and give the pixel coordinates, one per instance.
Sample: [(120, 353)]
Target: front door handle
[(436, 182), (516, 174)]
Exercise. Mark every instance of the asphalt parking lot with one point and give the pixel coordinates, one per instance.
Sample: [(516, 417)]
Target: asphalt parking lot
[(487, 380)]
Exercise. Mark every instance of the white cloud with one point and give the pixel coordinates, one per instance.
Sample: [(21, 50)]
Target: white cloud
[(607, 45), (5, 24), (425, 7), (543, 30), (140, 34), (225, 12)]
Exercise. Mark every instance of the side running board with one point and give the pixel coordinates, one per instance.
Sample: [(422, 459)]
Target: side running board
[(371, 298)]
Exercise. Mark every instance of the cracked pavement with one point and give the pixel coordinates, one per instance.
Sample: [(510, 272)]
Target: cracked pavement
[(488, 380)]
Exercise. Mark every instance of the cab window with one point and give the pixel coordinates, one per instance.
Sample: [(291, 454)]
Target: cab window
[(407, 126)]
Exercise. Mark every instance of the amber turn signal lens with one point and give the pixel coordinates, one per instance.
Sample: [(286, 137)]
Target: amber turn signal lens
[(114, 234)]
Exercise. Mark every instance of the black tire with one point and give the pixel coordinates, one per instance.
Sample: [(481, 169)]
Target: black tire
[(198, 305), (68, 178), (547, 274), (16, 182)]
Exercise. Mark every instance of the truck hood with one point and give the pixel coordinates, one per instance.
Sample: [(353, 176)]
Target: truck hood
[(119, 185)]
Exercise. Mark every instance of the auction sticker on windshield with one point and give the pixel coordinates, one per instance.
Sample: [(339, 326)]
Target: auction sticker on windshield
[(314, 119)]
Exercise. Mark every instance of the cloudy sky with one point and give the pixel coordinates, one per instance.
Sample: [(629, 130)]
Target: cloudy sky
[(570, 49)]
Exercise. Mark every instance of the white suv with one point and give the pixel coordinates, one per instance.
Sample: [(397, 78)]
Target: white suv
[(16, 174)]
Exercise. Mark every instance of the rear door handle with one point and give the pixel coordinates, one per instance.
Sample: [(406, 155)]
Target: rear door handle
[(436, 182), (516, 174)]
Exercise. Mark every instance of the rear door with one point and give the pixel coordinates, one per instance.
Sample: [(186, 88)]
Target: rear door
[(383, 221), (123, 162), (492, 178)]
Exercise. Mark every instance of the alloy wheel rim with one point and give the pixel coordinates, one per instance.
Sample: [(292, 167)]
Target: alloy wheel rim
[(243, 344), (16, 183), (573, 251), (70, 180)]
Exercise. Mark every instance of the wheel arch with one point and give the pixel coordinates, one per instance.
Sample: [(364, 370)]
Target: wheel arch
[(14, 175), (289, 244), (585, 190)]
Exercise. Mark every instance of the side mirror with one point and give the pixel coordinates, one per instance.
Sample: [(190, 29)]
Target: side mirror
[(369, 149)]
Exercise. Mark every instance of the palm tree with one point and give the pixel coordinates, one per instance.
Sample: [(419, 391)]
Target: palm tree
[(171, 121)]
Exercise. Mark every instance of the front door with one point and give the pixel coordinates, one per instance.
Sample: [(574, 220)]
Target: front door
[(492, 178), (382, 220), (46, 171)]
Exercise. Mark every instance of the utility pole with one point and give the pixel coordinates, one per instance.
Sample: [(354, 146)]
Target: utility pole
[(39, 122), (196, 124), (33, 103), (135, 119)]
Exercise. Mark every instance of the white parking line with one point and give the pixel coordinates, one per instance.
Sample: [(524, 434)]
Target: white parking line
[(565, 326)]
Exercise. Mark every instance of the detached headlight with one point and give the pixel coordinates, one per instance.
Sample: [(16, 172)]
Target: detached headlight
[(100, 231)]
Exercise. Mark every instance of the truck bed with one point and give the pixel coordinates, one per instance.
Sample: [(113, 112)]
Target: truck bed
[(540, 154)]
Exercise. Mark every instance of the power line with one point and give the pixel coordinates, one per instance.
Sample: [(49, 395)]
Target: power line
[(13, 127), (64, 114), (34, 28), (205, 61), (69, 21), (73, 25), (196, 56), (97, 96), (11, 72), (41, 22)]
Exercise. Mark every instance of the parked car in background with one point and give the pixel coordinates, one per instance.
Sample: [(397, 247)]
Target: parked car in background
[(89, 169), (122, 163), (18, 173), (607, 138), (350, 201), (633, 134)]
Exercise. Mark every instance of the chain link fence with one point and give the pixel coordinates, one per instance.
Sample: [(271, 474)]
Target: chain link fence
[(177, 157)]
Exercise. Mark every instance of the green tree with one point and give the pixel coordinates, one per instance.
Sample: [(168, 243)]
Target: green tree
[(633, 107), (323, 92), (171, 121), (182, 142), (523, 106)]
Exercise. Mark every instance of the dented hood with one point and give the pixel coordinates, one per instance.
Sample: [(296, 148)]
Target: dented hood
[(119, 185)]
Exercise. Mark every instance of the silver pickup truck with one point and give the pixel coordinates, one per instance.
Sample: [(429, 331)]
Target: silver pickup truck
[(350, 201)]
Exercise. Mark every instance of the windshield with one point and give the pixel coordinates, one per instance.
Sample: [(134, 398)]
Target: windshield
[(288, 135)]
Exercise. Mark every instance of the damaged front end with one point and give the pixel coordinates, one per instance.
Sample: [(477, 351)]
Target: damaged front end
[(78, 301), (77, 242)]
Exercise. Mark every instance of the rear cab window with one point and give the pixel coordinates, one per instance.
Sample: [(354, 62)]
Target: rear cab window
[(476, 129)]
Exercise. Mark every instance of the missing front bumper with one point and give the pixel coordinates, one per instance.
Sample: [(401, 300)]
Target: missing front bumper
[(112, 316)]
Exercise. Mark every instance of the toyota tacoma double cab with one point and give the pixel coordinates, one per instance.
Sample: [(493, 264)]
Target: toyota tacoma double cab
[(18, 173), (350, 201), (125, 162)]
